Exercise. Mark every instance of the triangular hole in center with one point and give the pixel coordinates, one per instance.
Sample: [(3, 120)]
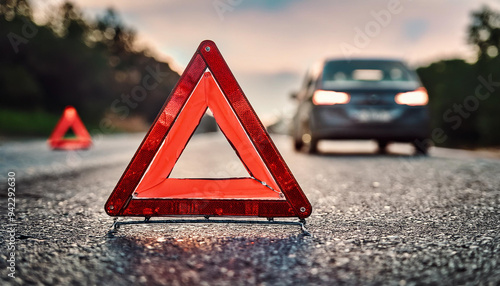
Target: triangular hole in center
[(70, 133), (208, 155)]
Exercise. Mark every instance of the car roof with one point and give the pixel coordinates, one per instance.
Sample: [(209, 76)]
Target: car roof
[(374, 59), (316, 69)]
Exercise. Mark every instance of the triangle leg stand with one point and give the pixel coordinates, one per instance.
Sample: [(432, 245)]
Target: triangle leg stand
[(270, 221)]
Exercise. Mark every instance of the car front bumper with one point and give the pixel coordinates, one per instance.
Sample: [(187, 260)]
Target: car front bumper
[(390, 123)]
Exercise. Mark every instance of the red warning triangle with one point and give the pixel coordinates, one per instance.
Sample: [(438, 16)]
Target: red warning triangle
[(146, 189), (70, 119)]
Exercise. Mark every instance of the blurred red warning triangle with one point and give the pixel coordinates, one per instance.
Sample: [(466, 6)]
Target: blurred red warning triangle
[(146, 189), (70, 119)]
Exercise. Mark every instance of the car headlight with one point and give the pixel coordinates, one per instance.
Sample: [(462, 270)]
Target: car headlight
[(328, 97), (413, 98)]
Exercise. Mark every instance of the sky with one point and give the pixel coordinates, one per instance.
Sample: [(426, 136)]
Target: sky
[(269, 44)]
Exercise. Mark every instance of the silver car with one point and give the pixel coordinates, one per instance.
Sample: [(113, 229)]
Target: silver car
[(373, 99)]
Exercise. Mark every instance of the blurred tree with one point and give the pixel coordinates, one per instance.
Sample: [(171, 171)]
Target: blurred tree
[(465, 98), (448, 83), (10, 8), (484, 32), (114, 34), (71, 60)]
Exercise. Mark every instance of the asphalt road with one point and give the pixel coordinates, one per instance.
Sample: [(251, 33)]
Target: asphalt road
[(388, 219)]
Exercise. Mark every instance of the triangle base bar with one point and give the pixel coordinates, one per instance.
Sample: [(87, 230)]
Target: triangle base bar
[(70, 144), (235, 188), (302, 223), (205, 207)]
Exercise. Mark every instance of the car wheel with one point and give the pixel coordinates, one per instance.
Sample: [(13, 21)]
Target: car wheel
[(312, 146), (309, 142), (382, 147), (422, 148), (297, 144)]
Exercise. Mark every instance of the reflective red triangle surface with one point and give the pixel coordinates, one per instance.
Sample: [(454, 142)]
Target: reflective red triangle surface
[(145, 188), (70, 119)]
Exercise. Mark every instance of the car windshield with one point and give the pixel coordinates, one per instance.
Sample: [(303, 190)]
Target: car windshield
[(367, 74)]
